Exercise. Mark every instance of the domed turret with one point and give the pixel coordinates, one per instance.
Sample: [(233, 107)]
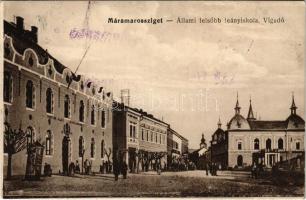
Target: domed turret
[(238, 121), (203, 142)]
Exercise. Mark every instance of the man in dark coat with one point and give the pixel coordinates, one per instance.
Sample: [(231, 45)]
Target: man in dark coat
[(116, 169), (124, 169), (207, 168)]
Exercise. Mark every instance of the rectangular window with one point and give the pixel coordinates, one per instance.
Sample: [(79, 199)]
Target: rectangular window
[(297, 146), (134, 131), (159, 138), (155, 137), (239, 146), (151, 136), (142, 134), (131, 131), (147, 135)]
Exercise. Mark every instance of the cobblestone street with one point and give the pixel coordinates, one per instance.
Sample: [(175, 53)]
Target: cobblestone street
[(170, 184)]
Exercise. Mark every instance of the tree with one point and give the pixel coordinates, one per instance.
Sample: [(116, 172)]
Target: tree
[(108, 154), (14, 142)]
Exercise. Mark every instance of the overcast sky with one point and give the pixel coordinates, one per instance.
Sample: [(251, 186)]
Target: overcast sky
[(174, 70)]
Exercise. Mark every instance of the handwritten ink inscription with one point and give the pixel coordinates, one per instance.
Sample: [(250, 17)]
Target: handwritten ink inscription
[(97, 35)]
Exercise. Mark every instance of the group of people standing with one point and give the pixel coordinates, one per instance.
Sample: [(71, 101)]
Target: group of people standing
[(211, 168), (106, 167), (120, 167), (256, 170)]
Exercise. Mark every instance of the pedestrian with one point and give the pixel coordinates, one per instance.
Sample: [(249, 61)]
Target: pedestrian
[(207, 168), (124, 169), (216, 169), (210, 168), (47, 170), (77, 167), (254, 171), (89, 167), (106, 166), (102, 167), (213, 166), (158, 167), (86, 167), (116, 169), (71, 169)]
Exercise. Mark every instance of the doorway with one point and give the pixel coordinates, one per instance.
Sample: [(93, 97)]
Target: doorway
[(239, 161), (66, 154)]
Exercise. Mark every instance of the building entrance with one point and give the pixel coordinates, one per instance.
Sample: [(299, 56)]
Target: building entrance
[(66, 154)]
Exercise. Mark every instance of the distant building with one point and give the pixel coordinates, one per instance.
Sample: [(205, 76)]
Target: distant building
[(139, 138), (248, 140), (199, 156), (219, 147), (64, 111), (177, 145)]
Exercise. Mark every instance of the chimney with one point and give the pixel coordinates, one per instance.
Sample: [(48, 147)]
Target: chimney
[(19, 23), (125, 97), (34, 31)]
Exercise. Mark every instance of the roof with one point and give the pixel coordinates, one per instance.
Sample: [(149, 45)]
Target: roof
[(238, 122), (22, 41), (177, 134), (295, 122), (267, 125), (200, 151), (296, 119), (121, 106), (219, 131)]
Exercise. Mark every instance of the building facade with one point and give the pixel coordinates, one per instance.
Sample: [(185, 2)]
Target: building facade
[(199, 156), (70, 115), (219, 147), (248, 140), (139, 138), (177, 149)]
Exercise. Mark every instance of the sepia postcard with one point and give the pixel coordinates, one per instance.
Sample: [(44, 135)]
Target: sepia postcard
[(152, 99)]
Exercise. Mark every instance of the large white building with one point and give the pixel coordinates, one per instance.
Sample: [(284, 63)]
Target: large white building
[(249, 140)]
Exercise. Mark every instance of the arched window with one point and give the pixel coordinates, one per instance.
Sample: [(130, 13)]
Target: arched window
[(49, 143), (81, 111), (268, 144), (92, 148), (280, 143), (256, 144), (81, 146), (30, 95), (67, 106), (239, 161), (49, 101), (93, 115), (8, 87), (103, 119), (102, 148), (30, 136)]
